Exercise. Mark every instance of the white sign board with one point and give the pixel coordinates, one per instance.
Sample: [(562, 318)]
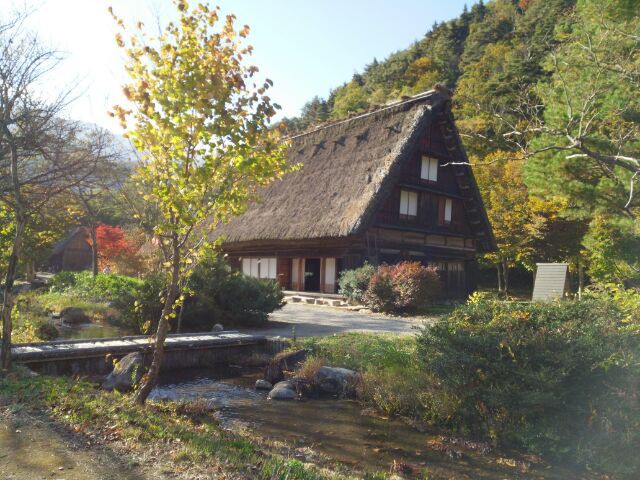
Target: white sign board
[(551, 281)]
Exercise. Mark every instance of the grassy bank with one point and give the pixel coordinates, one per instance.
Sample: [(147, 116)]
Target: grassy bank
[(186, 434), (391, 375), (32, 310)]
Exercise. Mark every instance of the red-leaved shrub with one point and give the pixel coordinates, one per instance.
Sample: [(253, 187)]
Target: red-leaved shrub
[(380, 295), (404, 287)]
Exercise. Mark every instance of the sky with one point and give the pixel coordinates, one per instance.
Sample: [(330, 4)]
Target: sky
[(307, 47)]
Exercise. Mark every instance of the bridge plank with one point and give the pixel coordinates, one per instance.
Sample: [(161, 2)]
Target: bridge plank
[(41, 351)]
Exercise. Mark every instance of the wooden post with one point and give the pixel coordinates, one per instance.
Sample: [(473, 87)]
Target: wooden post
[(322, 274)]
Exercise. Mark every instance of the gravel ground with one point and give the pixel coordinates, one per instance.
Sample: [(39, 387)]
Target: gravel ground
[(319, 320)]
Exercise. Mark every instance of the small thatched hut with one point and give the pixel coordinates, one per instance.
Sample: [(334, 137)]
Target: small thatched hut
[(73, 252), (384, 186)]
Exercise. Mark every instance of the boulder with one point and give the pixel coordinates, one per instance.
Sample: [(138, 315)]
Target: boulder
[(336, 381), (217, 327), (126, 374), (263, 385), (74, 316), (282, 391), (284, 361)]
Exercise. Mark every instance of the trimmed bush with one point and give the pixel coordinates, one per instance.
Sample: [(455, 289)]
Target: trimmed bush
[(221, 295), (380, 295), (559, 379), (415, 285), (405, 287), (353, 283)]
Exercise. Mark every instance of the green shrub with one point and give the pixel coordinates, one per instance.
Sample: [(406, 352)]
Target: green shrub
[(353, 283), (404, 287), (141, 306), (62, 281), (103, 287), (138, 300), (559, 379), (221, 295)]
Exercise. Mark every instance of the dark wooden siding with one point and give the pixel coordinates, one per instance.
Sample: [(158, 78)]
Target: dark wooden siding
[(431, 195), (283, 272)]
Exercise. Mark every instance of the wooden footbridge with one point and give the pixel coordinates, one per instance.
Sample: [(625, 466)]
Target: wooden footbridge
[(181, 351)]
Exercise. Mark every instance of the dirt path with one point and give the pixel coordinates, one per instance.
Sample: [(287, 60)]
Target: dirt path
[(33, 448)]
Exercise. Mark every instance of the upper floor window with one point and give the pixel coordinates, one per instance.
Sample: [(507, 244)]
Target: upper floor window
[(408, 204), (429, 170), (445, 213)]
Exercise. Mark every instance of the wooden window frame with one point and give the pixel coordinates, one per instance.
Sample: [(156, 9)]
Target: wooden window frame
[(408, 216), (442, 211), (432, 174)]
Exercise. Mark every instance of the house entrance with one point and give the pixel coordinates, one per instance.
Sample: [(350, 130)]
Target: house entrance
[(312, 274)]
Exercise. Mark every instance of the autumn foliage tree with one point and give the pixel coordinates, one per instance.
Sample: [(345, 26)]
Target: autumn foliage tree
[(201, 124), (115, 251)]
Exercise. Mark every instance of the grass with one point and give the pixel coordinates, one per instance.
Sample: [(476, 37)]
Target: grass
[(187, 432), (391, 380), (363, 351), (44, 303)]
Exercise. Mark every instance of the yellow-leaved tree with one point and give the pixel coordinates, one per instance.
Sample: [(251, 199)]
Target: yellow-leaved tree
[(506, 199), (201, 125), (527, 228)]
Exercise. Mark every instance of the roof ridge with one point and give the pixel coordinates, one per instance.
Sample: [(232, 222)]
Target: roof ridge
[(394, 104)]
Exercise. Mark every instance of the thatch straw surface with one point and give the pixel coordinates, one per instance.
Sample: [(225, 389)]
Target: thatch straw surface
[(347, 168)]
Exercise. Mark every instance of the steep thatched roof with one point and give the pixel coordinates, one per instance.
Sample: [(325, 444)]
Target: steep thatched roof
[(61, 245), (348, 167)]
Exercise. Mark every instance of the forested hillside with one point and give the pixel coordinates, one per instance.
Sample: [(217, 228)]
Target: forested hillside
[(546, 98)]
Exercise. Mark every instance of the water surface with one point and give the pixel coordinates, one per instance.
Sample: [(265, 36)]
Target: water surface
[(90, 330), (338, 429)]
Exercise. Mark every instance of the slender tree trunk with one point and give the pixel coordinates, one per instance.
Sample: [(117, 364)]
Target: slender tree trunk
[(7, 301), (179, 327), (151, 378), (30, 271), (499, 270), (21, 223), (580, 278), (94, 249), (505, 277)]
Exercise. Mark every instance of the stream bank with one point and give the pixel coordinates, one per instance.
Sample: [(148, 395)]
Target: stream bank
[(321, 430)]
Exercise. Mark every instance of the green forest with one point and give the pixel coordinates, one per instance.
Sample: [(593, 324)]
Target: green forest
[(546, 100)]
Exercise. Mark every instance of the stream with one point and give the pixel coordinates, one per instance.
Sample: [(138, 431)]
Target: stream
[(338, 430), (90, 330)]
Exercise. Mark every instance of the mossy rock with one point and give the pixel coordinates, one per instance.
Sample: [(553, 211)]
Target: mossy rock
[(74, 316)]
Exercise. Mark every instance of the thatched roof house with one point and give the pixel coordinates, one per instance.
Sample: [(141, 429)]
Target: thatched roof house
[(380, 187), (73, 252)]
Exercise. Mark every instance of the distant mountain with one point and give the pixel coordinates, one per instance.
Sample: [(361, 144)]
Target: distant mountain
[(518, 32)]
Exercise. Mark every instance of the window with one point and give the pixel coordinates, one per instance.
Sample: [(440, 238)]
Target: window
[(445, 211), (259, 267), (448, 206), (408, 204), (429, 170)]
